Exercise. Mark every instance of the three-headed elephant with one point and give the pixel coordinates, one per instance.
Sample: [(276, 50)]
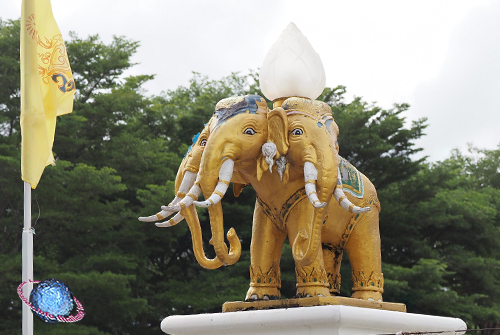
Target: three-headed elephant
[(294, 201), (245, 146)]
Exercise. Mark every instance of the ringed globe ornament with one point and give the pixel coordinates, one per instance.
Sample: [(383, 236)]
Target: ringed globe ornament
[(52, 301)]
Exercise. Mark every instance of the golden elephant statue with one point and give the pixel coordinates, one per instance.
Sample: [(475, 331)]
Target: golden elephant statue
[(246, 144)]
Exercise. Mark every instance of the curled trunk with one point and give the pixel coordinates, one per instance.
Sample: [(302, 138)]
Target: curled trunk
[(220, 247), (194, 226), (210, 186), (306, 244)]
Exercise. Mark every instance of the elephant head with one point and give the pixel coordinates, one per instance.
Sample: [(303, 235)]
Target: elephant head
[(238, 131), (236, 140), (310, 143), (184, 180)]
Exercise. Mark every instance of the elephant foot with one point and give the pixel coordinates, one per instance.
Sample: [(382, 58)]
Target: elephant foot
[(368, 295), (368, 287), (312, 291), (312, 282), (262, 293)]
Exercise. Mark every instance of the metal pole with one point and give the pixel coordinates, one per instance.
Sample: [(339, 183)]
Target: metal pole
[(27, 260)]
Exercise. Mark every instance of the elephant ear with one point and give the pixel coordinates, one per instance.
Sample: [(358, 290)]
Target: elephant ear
[(277, 130)]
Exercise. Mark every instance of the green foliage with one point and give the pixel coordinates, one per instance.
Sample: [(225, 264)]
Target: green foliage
[(117, 156), (9, 77), (179, 114), (96, 66), (375, 140), (440, 231)]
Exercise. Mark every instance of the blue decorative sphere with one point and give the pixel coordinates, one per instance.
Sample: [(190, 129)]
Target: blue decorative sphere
[(53, 297)]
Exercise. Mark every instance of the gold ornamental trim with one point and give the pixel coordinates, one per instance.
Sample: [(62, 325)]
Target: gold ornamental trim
[(312, 277), (372, 282), (269, 278)]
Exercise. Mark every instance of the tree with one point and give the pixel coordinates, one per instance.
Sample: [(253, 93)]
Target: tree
[(84, 233), (9, 78), (441, 239), (376, 140)]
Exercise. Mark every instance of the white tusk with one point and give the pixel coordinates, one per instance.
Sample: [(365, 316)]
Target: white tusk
[(188, 181), (310, 177), (157, 217), (186, 184), (310, 172), (172, 222), (225, 175), (188, 199), (163, 214), (344, 202)]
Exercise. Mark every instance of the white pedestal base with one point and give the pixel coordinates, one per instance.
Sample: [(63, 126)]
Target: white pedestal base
[(318, 320)]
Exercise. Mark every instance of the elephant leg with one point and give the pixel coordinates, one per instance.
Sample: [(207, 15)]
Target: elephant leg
[(363, 248), (265, 254), (332, 257), (312, 280)]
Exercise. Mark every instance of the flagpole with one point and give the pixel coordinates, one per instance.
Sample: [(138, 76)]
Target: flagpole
[(42, 101), (27, 255)]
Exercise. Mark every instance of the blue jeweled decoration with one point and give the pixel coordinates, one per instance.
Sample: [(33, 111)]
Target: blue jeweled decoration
[(195, 138), (52, 296), (245, 103)]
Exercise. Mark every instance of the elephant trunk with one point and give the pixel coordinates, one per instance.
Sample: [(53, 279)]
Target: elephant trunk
[(217, 189), (194, 226), (324, 188)]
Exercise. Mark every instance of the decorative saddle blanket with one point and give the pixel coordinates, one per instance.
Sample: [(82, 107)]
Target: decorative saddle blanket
[(352, 182)]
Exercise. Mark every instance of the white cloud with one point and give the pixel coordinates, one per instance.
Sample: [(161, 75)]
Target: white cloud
[(461, 101)]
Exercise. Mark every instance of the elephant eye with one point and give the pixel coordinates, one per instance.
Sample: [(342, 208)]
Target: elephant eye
[(203, 142), (249, 131), (297, 131)]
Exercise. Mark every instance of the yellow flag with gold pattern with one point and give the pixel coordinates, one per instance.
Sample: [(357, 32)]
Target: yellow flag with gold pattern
[(47, 86)]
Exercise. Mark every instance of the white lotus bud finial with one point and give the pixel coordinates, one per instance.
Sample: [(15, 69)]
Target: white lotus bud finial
[(292, 68)]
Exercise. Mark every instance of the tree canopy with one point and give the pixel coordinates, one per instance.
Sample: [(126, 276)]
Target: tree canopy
[(117, 156)]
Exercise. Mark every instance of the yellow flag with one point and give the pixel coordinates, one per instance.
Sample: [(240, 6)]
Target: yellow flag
[(47, 86)]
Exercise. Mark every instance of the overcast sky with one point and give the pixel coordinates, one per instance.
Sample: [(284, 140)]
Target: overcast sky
[(440, 56)]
